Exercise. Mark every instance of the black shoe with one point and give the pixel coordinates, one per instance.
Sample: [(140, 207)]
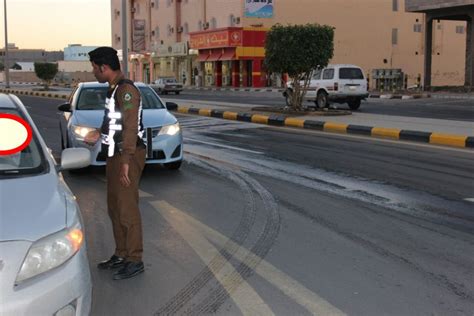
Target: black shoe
[(114, 262), (130, 269)]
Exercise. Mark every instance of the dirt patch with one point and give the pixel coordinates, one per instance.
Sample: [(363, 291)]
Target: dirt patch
[(312, 111)]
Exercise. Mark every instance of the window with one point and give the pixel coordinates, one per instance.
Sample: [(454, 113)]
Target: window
[(460, 29), (170, 30), (417, 28), (155, 4), (169, 2), (328, 74), (231, 20), (200, 26), (350, 73), (316, 74), (157, 32), (186, 28), (394, 36), (394, 5), (213, 23)]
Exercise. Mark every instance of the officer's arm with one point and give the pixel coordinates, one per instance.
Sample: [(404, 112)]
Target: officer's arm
[(128, 99)]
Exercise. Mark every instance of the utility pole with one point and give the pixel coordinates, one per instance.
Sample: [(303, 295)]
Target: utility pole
[(124, 38), (7, 73)]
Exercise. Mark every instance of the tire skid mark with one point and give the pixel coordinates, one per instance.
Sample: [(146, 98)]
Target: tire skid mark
[(175, 304), (246, 268)]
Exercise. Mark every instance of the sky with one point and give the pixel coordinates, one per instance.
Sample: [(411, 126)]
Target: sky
[(53, 24)]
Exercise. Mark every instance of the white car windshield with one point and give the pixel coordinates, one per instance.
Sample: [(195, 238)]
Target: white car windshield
[(29, 161), (93, 98)]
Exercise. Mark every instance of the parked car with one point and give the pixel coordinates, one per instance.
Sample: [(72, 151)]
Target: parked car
[(84, 112), (44, 268), (339, 83), (167, 84)]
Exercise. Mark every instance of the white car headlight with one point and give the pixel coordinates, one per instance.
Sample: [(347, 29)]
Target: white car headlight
[(51, 251), (82, 131), (172, 129)]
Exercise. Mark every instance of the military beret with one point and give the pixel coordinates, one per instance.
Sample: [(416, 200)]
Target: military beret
[(102, 52)]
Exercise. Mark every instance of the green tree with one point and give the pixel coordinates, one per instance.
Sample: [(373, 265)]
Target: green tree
[(46, 72), (297, 50)]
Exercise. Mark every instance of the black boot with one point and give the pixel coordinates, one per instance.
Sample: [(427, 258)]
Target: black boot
[(130, 269), (114, 262)]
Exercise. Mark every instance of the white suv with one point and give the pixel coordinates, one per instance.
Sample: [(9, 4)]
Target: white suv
[(336, 83)]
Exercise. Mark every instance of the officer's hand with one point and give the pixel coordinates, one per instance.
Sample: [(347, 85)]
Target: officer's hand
[(92, 137), (124, 179)]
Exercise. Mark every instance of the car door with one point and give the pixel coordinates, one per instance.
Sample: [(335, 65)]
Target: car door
[(328, 80), (64, 118)]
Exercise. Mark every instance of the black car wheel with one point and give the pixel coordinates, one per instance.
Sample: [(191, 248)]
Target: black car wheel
[(322, 100), (354, 104)]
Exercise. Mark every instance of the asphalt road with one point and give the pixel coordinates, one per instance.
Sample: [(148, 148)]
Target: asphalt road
[(264, 220), (446, 109)]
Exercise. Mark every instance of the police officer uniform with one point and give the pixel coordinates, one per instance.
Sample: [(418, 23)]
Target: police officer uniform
[(121, 134), (122, 143)]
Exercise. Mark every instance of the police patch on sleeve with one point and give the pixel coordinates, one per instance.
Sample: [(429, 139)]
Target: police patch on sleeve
[(127, 97)]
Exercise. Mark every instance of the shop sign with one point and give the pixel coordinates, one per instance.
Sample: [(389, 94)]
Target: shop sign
[(138, 44), (177, 49), (258, 8), (227, 38)]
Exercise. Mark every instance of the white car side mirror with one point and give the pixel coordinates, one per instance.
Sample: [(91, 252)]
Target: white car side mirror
[(75, 158)]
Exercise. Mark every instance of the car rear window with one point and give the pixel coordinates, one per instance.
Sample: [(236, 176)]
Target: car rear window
[(94, 99), (350, 73), (29, 161)]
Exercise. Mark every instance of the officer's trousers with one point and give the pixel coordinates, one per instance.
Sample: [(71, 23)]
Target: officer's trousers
[(123, 208)]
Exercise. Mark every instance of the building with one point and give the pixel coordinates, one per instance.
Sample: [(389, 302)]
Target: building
[(16, 55), (77, 52), (435, 11), (221, 43)]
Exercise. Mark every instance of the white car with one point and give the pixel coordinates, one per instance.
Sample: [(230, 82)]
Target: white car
[(85, 110), (166, 85), (341, 83), (44, 268)]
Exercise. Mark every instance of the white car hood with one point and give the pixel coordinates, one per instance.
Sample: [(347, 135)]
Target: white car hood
[(151, 118), (31, 207)]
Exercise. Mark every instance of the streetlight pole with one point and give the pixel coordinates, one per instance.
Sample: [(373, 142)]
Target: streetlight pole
[(124, 38), (6, 67)]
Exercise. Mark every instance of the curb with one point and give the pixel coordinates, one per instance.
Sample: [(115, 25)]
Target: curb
[(35, 93), (379, 132), (264, 89)]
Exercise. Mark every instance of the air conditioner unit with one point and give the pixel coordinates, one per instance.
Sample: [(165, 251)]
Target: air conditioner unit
[(133, 10), (236, 20), (205, 25), (152, 4), (179, 29)]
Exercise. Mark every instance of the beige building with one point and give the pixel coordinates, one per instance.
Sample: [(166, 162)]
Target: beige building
[(222, 41)]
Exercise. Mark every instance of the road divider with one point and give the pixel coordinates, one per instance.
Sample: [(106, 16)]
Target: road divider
[(379, 132)]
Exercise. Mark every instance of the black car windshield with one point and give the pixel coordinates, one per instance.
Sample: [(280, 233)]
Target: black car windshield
[(29, 161), (350, 73), (93, 98)]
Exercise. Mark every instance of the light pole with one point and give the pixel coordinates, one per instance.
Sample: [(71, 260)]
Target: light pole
[(124, 38), (7, 73)]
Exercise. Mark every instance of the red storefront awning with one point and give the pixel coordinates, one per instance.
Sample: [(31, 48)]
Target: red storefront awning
[(215, 55), (229, 54), (203, 56)]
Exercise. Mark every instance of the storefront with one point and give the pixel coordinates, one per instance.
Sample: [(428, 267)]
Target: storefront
[(173, 61), (230, 57)]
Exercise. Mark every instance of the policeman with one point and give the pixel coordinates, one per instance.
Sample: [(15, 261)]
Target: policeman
[(122, 145)]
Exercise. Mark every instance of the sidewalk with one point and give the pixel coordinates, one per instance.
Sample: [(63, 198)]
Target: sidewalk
[(432, 131)]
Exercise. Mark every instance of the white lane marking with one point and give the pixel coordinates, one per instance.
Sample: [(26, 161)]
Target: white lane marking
[(244, 296), (224, 146), (469, 199), (293, 289)]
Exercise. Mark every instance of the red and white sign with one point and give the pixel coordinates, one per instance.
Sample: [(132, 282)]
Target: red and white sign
[(15, 134)]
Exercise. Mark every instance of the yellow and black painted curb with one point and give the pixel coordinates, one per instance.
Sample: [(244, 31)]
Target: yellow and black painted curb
[(380, 132), (47, 94)]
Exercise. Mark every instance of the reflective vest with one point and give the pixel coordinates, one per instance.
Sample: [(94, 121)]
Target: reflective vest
[(111, 130)]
